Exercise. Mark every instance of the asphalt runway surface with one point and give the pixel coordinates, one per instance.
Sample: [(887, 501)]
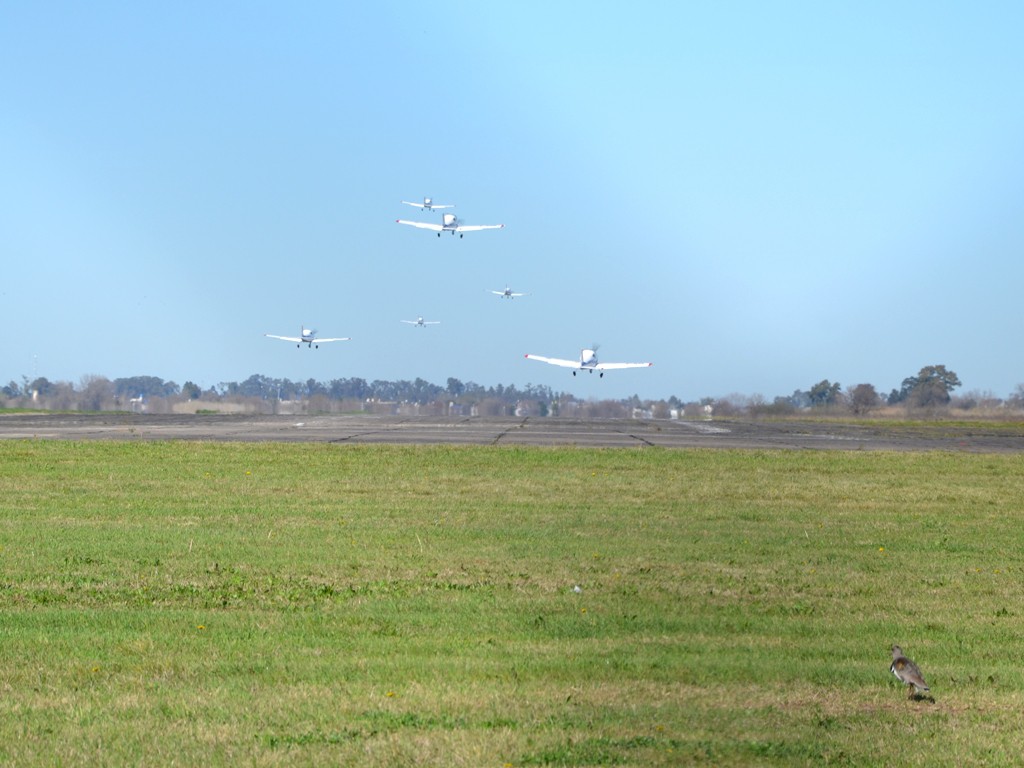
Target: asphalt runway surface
[(998, 437)]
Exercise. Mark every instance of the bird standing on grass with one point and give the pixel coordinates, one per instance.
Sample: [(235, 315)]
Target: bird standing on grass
[(907, 672)]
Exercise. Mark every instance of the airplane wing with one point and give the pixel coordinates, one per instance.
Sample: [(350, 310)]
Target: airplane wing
[(618, 366), (434, 206), (421, 225), (324, 341), (556, 361), (469, 227), (296, 339)]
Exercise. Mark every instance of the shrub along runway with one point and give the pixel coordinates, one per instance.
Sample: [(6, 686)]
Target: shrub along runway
[(980, 437)]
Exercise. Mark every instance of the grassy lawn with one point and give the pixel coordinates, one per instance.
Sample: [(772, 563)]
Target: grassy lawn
[(188, 603)]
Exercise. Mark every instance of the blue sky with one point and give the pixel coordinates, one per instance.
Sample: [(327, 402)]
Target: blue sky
[(753, 196)]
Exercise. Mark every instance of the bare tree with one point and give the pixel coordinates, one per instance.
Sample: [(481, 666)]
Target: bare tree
[(862, 398), (96, 392), (660, 410), (1016, 399)]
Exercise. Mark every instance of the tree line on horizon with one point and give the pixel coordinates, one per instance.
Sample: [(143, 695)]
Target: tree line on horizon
[(931, 388), (96, 393)]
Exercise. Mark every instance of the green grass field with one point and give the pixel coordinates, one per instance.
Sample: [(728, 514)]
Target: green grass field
[(270, 604)]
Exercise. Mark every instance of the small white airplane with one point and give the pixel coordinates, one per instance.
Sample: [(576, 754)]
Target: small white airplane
[(508, 293), (451, 224), (588, 362), (428, 204), (307, 336), (421, 322)]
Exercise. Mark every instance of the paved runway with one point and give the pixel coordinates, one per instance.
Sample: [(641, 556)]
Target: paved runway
[(365, 428)]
